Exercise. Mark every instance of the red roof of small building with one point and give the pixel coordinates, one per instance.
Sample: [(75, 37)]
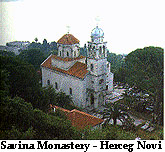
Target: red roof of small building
[(80, 119), (79, 69), (68, 39)]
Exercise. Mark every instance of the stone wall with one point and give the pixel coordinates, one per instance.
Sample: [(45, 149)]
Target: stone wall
[(64, 83)]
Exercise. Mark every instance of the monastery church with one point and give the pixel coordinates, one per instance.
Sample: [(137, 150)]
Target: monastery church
[(86, 79)]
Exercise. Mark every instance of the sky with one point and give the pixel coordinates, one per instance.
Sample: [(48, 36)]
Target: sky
[(127, 24)]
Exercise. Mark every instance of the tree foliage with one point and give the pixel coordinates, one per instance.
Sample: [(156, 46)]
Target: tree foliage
[(109, 132), (144, 68), (116, 111), (116, 61), (20, 121), (23, 79), (32, 56), (117, 66), (46, 48)]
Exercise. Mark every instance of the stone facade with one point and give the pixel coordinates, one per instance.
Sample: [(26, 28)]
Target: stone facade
[(71, 85), (86, 79)]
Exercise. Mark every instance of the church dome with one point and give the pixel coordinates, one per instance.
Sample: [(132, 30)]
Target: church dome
[(97, 32), (68, 39)]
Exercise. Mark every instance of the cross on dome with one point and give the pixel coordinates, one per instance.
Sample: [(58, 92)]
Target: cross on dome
[(68, 29), (97, 20)]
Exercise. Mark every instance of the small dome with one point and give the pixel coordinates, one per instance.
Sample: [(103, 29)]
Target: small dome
[(68, 39), (97, 32)]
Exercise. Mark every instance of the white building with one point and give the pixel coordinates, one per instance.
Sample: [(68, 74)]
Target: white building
[(86, 79)]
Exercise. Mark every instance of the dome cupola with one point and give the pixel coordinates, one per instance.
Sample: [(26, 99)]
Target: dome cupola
[(97, 32), (97, 35), (68, 46), (68, 39)]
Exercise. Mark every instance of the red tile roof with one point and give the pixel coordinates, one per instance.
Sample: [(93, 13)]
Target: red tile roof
[(67, 58), (68, 39), (80, 119), (78, 69)]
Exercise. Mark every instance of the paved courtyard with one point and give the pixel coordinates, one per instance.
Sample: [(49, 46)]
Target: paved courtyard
[(111, 98)]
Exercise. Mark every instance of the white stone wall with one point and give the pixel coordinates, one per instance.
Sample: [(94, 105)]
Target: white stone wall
[(65, 82), (110, 81), (99, 66), (73, 50)]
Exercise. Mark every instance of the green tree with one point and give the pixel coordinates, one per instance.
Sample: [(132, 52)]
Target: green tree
[(144, 68), (115, 60), (18, 120), (43, 97), (15, 112), (7, 53), (116, 111), (117, 66), (109, 132), (32, 56), (64, 100), (4, 84), (23, 80), (36, 39)]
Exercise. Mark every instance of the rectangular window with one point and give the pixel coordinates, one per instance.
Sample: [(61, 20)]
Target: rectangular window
[(70, 90), (48, 82), (56, 85), (91, 67)]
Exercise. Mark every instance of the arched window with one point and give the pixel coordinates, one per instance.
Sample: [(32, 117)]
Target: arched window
[(91, 67), (103, 48), (108, 65), (70, 90), (67, 53), (100, 49), (99, 100), (92, 99), (106, 87), (74, 53), (56, 85), (48, 82), (60, 53)]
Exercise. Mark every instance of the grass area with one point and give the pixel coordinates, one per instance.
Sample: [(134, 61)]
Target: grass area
[(112, 132), (157, 134)]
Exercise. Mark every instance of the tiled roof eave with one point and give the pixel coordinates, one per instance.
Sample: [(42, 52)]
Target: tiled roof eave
[(66, 59), (78, 70), (68, 39), (68, 43), (65, 73)]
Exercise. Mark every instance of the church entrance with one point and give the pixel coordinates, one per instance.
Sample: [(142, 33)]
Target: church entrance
[(92, 99)]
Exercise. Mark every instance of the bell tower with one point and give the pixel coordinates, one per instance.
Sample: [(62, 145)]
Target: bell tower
[(97, 67)]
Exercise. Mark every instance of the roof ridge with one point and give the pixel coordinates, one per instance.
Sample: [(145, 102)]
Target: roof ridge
[(68, 39), (78, 71), (80, 119), (75, 110), (50, 56)]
